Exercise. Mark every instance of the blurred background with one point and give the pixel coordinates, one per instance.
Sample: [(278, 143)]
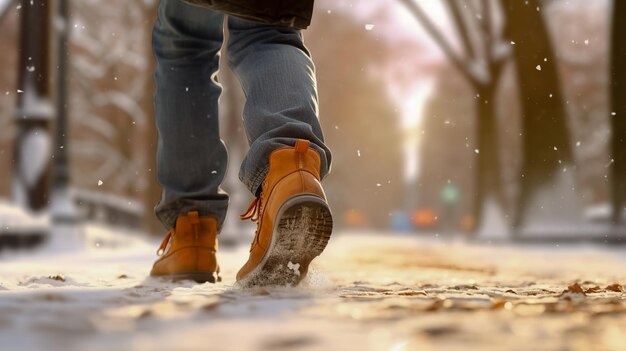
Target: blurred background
[(492, 119)]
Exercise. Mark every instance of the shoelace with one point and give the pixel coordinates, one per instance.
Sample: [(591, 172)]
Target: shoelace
[(254, 213), (194, 223), (163, 246)]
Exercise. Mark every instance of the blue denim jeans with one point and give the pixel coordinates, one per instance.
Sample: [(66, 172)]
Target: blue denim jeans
[(278, 78)]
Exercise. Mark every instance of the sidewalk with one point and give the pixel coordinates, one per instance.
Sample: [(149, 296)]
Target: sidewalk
[(366, 292)]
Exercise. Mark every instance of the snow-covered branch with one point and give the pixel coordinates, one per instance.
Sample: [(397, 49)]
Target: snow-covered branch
[(445, 46)]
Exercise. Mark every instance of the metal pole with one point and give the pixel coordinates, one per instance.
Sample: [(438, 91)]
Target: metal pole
[(63, 208), (34, 108)]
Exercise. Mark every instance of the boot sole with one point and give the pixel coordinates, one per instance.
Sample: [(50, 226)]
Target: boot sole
[(301, 232), (194, 276)]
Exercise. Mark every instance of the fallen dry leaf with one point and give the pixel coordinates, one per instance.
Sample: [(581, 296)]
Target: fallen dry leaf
[(145, 314), (502, 305), (615, 287), (465, 287), (58, 277), (211, 306), (574, 288), (50, 297), (592, 290), (437, 305), (409, 293), (440, 331)]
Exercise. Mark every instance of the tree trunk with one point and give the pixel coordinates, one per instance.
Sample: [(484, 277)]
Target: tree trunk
[(488, 183), (546, 143), (618, 115)]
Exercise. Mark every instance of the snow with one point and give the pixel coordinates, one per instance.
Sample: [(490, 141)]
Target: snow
[(371, 291), (558, 208), (34, 155), (14, 218), (494, 223), (35, 106), (110, 200)]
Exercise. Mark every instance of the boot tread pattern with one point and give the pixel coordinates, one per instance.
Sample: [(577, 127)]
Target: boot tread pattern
[(300, 234)]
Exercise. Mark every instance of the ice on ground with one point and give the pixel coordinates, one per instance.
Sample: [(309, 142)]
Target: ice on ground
[(366, 292)]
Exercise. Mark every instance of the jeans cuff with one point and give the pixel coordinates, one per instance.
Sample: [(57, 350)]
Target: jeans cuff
[(256, 179), (169, 213)]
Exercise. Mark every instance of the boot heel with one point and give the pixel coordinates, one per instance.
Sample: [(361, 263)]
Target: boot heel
[(301, 232)]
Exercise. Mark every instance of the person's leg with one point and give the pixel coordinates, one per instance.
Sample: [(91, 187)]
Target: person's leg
[(191, 158), (287, 156), (278, 79)]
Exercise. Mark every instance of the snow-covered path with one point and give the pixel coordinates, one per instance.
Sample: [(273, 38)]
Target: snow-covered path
[(366, 292)]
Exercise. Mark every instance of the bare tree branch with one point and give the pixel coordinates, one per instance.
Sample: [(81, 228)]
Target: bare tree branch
[(462, 28), (487, 30), (430, 27), (5, 5)]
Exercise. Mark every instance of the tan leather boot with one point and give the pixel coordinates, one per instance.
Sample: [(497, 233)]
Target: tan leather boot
[(188, 250), (294, 222)]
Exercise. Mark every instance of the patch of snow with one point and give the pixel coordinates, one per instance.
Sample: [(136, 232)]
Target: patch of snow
[(294, 267), (494, 223), (34, 155), (16, 219), (558, 208)]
